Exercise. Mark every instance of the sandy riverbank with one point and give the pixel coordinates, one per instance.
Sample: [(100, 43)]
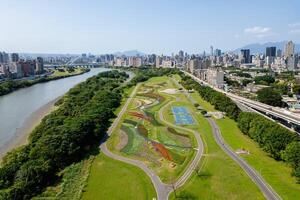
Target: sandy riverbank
[(21, 134)]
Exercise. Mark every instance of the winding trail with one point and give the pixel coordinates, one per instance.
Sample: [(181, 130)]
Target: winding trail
[(189, 170), (163, 190), (265, 188)]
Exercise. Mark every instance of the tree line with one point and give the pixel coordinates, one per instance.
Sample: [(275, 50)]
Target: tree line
[(218, 99), (68, 134), (63, 137), (9, 86), (279, 142)]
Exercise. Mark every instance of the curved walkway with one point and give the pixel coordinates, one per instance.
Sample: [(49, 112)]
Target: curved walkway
[(189, 170), (162, 190), (265, 188)]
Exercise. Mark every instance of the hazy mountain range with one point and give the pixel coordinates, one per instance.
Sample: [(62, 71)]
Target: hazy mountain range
[(254, 49), (261, 48)]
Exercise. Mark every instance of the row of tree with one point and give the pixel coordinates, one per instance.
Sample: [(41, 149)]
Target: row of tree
[(219, 100), (278, 141), (12, 85), (63, 137)]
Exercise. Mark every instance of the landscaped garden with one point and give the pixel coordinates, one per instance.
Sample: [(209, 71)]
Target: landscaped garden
[(142, 135)]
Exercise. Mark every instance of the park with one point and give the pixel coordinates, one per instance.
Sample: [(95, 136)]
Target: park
[(143, 135)]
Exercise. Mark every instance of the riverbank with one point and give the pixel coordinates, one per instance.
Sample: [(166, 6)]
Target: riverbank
[(13, 85), (22, 133)]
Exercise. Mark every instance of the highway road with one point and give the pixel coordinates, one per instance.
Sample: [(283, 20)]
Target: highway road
[(265, 188), (162, 190), (275, 111)]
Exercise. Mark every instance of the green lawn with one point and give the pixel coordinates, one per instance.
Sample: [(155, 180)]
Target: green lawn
[(57, 73), (112, 179), (276, 173), (220, 177)]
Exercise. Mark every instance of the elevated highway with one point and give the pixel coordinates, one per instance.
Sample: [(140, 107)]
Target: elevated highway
[(285, 117)]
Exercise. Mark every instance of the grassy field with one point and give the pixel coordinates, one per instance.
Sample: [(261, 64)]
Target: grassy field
[(219, 176), (111, 179), (58, 73), (276, 173)]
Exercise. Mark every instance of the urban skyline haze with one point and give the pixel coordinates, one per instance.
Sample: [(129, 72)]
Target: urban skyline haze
[(149, 26)]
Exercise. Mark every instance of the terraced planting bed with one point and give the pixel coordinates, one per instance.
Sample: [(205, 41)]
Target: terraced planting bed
[(142, 135)]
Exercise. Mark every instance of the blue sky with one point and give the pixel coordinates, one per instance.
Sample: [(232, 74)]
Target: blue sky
[(154, 26)]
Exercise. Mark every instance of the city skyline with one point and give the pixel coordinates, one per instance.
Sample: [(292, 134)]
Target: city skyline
[(151, 27)]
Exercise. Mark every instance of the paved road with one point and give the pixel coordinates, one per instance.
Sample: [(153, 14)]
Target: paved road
[(266, 189)]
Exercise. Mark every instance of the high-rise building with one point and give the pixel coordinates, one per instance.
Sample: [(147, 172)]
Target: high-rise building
[(181, 54), (279, 53), (158, 61), (289, 49), (271, 52), (245, 54), (4, 58), (218, 52), (14, 57), (211, 50), (39, 65), (134, 61), (290, 63), (16, 68)]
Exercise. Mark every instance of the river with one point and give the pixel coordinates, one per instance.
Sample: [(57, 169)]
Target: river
[(21, 109)]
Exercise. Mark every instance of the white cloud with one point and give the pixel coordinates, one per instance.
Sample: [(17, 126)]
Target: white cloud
[(295, 31), (237, 36), (258, 31), (294, 25)]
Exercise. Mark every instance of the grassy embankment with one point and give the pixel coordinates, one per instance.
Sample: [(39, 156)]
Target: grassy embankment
[(58, 73), (9, 86), (84, 179), (276, 173), (217, 176), (116, 179)]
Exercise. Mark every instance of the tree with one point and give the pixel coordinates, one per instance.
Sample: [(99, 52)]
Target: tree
[(196, 105), (269, 96), (203, 112), (296, 89), (264, 80), (292, 154)]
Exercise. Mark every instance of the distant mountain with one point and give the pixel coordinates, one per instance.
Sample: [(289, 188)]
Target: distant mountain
[(129, 53), (261, 48)]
